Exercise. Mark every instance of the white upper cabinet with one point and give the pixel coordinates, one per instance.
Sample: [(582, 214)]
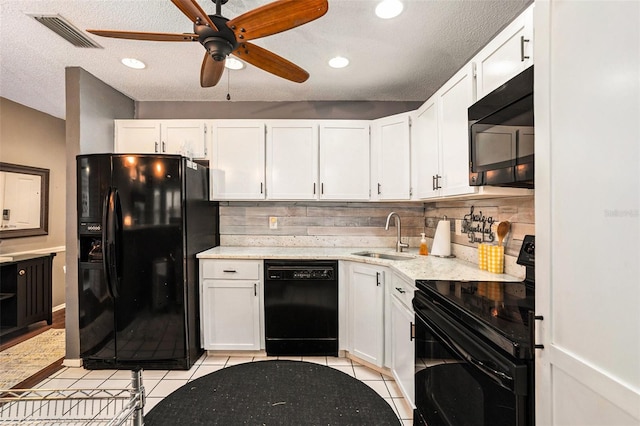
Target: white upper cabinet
[(454, 98), (441, 139), (137, 136), (424, 145), (391, 158), (508, 54), (344, 160), (292, 160), (183, 137), (238, 160)]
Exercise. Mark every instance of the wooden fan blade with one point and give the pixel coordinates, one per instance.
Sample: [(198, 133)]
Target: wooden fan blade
[(211, 71), (194, 12), (139, 35), (270, 62), (276, 17)]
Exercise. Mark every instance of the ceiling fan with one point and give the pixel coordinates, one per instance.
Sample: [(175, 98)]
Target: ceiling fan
[(221, 36)]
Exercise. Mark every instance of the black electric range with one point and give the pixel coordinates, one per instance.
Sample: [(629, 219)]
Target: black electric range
[(499, 312)]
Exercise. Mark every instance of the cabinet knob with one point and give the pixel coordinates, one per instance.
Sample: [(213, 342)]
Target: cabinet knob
[(22, 272)]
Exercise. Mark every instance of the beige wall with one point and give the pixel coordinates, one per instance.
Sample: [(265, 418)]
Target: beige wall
[(32, 138)]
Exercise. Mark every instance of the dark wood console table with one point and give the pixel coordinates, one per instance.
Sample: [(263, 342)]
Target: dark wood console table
[(25, 291)]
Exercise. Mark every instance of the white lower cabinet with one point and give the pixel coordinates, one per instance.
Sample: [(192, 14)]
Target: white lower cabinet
[(402, 335), (366, 312), (231, 295)]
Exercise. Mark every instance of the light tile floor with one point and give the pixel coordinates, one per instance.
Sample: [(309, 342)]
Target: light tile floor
[(160, 383)]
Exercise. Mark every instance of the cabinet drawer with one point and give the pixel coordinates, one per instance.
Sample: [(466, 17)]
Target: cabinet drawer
[(231, 269), (403, 290)]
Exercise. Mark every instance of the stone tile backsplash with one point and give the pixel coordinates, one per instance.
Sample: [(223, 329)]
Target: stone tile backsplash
[(347, 224)]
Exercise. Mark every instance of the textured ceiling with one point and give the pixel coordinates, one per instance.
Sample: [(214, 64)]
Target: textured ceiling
[(402, 59)]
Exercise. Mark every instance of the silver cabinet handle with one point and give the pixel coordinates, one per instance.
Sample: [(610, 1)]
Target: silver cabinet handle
[(379, 189), (438, 177), (22, 272), (164, 147), (412, 331), (522, 42), (377, 278), (532, 329), (155, 148)]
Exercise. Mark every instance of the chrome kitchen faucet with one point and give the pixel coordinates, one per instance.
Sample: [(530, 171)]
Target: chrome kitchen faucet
[(399, 244)]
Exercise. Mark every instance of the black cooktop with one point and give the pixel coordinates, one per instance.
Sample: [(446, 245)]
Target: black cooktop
[(497, 311)]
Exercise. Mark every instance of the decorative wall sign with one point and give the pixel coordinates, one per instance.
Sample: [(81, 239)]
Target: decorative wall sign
[(473, 224)]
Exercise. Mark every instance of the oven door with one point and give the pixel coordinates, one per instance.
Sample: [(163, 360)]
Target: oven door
[(461, 379)]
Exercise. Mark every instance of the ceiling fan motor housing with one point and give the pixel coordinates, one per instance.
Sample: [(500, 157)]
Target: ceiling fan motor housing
[(219, 43)]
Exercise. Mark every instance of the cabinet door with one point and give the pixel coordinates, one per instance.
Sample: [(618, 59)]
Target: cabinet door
[(393, 162), (508, 54), (344, 160), (137, 136), (184, 137), (34, 291), (454, 99), (237, 171), (366, 294), (230, 312), (425, 142), (292, 160), (402, 353)]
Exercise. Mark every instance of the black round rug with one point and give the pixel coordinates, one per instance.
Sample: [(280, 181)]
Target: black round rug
[(273, 393)]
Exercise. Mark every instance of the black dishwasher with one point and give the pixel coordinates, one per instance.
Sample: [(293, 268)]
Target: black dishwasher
[(301, 307)]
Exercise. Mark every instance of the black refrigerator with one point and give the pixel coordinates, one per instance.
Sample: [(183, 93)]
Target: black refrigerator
[(141, 221)]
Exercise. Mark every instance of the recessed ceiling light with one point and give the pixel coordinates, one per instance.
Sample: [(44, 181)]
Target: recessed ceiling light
[(133, 63), (233, 64), (388, 9), (338, 62)]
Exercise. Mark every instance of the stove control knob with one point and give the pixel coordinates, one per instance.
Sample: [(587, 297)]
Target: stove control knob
[(530, 248)]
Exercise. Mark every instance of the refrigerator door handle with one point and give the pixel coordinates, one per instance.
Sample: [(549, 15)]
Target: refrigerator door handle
[(112, 229), (106, 258)]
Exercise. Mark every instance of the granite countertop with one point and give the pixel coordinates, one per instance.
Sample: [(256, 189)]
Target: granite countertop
[(416, 267)]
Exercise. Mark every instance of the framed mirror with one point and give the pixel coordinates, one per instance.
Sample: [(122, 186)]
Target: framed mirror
[(24, 201)]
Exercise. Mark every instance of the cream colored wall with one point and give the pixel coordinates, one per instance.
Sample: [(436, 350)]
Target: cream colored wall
[(32, 138)]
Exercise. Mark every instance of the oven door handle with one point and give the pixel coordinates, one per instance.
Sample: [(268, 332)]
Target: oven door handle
[(498, 376)]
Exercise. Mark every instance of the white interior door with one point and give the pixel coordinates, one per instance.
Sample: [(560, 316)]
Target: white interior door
[(587, 107)]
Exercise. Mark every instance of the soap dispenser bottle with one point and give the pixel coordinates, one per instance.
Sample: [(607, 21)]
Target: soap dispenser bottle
[(423, 245)]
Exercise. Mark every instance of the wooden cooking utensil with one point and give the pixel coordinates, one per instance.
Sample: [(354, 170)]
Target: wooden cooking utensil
[(503, 230)]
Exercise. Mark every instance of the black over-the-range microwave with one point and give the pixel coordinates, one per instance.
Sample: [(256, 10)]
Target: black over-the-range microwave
[(501, 135)]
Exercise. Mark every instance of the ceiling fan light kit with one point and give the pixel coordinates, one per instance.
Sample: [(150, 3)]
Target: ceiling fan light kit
[(222, 37)]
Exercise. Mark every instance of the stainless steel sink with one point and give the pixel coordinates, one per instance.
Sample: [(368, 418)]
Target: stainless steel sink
[(386, 256)]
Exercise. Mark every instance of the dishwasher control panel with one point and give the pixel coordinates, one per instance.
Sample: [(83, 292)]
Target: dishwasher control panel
[(300, 273)]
